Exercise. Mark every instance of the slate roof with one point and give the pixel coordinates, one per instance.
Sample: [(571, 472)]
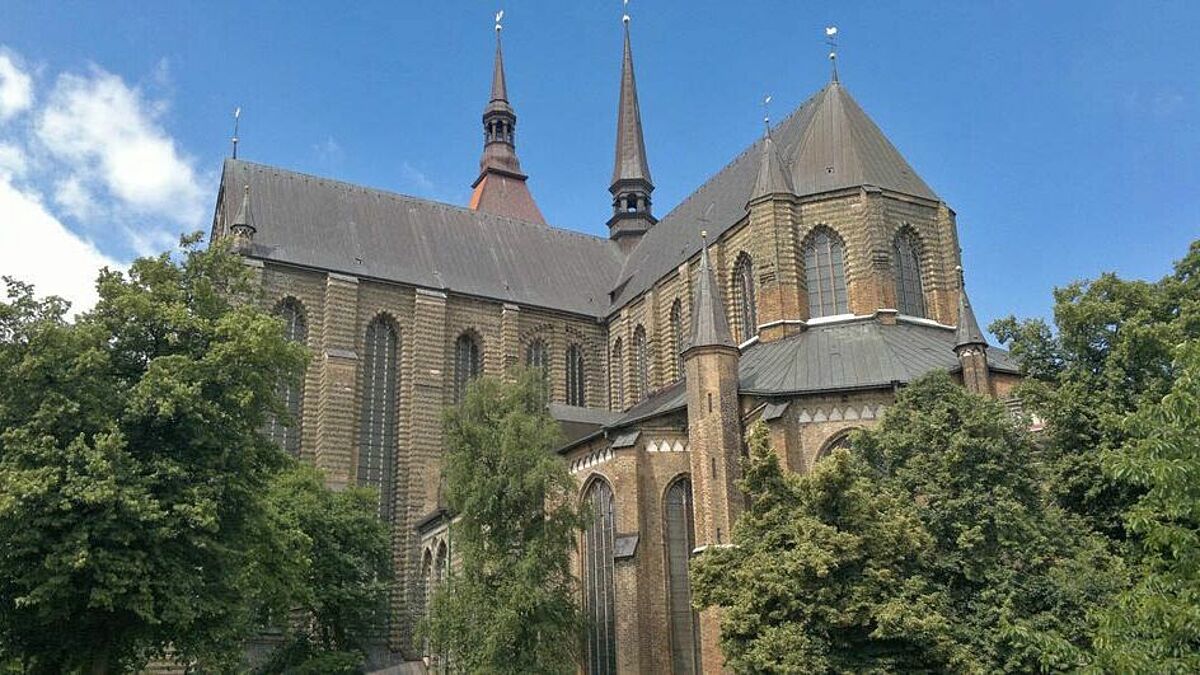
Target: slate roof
[(630, 162), (849, 355), (324, 224), (710, 327), (828, 143), (968, 332), (855, 354)]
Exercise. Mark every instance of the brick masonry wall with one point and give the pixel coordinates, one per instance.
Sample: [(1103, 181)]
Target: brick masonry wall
[(337, 309)]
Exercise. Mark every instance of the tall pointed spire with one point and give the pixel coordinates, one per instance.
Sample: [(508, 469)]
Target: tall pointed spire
[(631, 184), (710, 327), (967, 333), (500, 187)]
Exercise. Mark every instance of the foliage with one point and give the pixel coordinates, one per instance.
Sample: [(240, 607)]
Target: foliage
[(333, 572), (824, 574), (510, 604), (931, 545), (1154, 626), (131, 467), (1109, 355)]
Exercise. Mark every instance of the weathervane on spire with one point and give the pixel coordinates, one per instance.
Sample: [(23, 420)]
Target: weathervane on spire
[(625, 14), (237, 118), (766, 104), (831, 40), (499, 18)]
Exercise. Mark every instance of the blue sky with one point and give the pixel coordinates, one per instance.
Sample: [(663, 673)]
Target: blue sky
[(1065, 135)]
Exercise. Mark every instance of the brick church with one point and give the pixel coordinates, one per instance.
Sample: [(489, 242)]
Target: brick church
[(801, 285)]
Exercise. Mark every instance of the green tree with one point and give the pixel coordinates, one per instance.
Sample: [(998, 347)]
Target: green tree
[(1109, 354), (510, 604), (132, 471), (929, 546), (332, 572), (825, 574), (1154, 626)]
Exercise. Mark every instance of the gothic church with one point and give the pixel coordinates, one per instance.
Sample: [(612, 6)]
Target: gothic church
[(801, 285)]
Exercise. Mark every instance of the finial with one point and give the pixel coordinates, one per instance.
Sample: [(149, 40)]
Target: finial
[(499, 18), (767, 114), (237, 118), (625, 15), (831, 40), (704, 236)]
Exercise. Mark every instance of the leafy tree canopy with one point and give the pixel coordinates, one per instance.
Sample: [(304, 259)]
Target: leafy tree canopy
[(1110, 352), (929, 546), (131, 467), (332, 571), (510, 605), (1154, 626)]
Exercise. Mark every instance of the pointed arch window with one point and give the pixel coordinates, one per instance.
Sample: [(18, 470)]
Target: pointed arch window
[(576, 381), (467, 364), (617, 375), (377, 434), (537, 355), (825, 272), (910, 296), (680, 540), (677, 337), (743, 289), (599, 590), (289, 394), (641, 357)]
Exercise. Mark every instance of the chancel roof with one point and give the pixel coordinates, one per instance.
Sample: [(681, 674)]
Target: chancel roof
[(329, 225), (849, 355), (826, 144)]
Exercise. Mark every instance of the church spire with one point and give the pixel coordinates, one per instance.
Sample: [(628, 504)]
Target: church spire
[(967, 333), (500, 187), (710, 327), (631, 184), (970, 346), (772, 179)]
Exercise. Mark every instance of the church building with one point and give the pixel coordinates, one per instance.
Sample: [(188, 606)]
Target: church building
[(801, 285)]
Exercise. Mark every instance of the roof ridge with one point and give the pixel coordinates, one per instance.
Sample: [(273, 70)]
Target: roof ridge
[(334, 182)]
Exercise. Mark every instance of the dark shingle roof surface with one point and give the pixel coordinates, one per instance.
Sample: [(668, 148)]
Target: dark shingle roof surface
[(828, 143), (324, 224)]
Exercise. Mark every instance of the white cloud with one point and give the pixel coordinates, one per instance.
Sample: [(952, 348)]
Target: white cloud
[(13, 161), (16, 87), (39, 250), (73, 196), (108, 136)]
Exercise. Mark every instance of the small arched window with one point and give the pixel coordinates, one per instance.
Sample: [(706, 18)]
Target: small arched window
[(599, 589), (290, 394), (825, 273), (838, 441), (425, 594), (677, 337), (910, 297), (680, 540), (377, 434), (576, 382), (617, 375), (536, 354), (441, 564), (641, 357), (466, 364), (743, 290)]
